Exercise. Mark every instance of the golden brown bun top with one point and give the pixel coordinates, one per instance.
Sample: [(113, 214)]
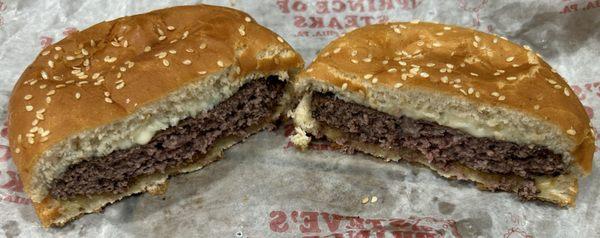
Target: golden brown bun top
[(104, 73), (461, 62)]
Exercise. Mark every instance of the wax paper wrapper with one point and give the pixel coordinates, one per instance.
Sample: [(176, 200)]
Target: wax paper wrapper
[(265, 188)]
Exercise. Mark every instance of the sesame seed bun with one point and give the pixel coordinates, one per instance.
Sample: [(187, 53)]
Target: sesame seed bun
[(97, 87), (476, 82)]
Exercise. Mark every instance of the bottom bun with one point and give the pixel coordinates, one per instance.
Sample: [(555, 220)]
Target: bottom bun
[(53, 212)]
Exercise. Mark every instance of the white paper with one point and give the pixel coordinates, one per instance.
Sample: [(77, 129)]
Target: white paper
[(264, 188)]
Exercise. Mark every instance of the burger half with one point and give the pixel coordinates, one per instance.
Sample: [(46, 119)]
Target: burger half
[(467, 104), (115, 109)]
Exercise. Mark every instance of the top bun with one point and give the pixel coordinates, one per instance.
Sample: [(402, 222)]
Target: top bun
[(111, 70), (440, 71)]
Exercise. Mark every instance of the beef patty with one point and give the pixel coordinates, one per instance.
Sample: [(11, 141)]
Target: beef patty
[(175, 146), (441, 145)]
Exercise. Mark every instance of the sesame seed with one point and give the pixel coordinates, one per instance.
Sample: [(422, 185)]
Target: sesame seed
[(165, 62), (187, 62), (337, 50), (367, 60), (447, 28), (29, 108), (77, 95), (17, 150), (477, 94), (475, 44), (28, 96), (44, 74), (375, 80), (557, 86), (474, 74), (457, 86), (201, 72), (280, 39), (424, 74), (125, 43), (512, 78), (161, 55), (495, 94), (43, 86), (344, 86), (392, 70), (51, 92), (220, 63), (414, 70), (420, 43), (368, 76), (402, 63), (527, 47), (247, 19), (444, 79), (373, 199), (566, 92), (515, 65), (57, 48), (398, 85), (172, 52), (185, 35), (397, 30), (242, 30), (510, 59), (404, 77), (46, 52), (108, 100), (48, 100), (384, 62), (551, 81), (202, 46), (571, 131), (115, 44), (110, 59), (147, 48), (173, 41), (536, 107), (310, 70), (122, 69), (495, 40), (60, 86), (436, 44), (325, 54), (354, 61), (439, 33), (365, 200), (161, 38), (160, 32), (119, 75), (189, 50), (415, 22), (471, 90), (120, 85), (170, 28), (501, 98), (477, 38), (430, 65)]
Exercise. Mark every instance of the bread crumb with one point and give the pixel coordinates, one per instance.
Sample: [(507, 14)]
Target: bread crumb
[(300, 139)]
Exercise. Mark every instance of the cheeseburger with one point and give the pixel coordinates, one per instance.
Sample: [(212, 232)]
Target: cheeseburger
[(115, 109), (469, 105)]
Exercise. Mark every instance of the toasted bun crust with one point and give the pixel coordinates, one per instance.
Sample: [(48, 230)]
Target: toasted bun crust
[(115, 70), (444, 69)]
